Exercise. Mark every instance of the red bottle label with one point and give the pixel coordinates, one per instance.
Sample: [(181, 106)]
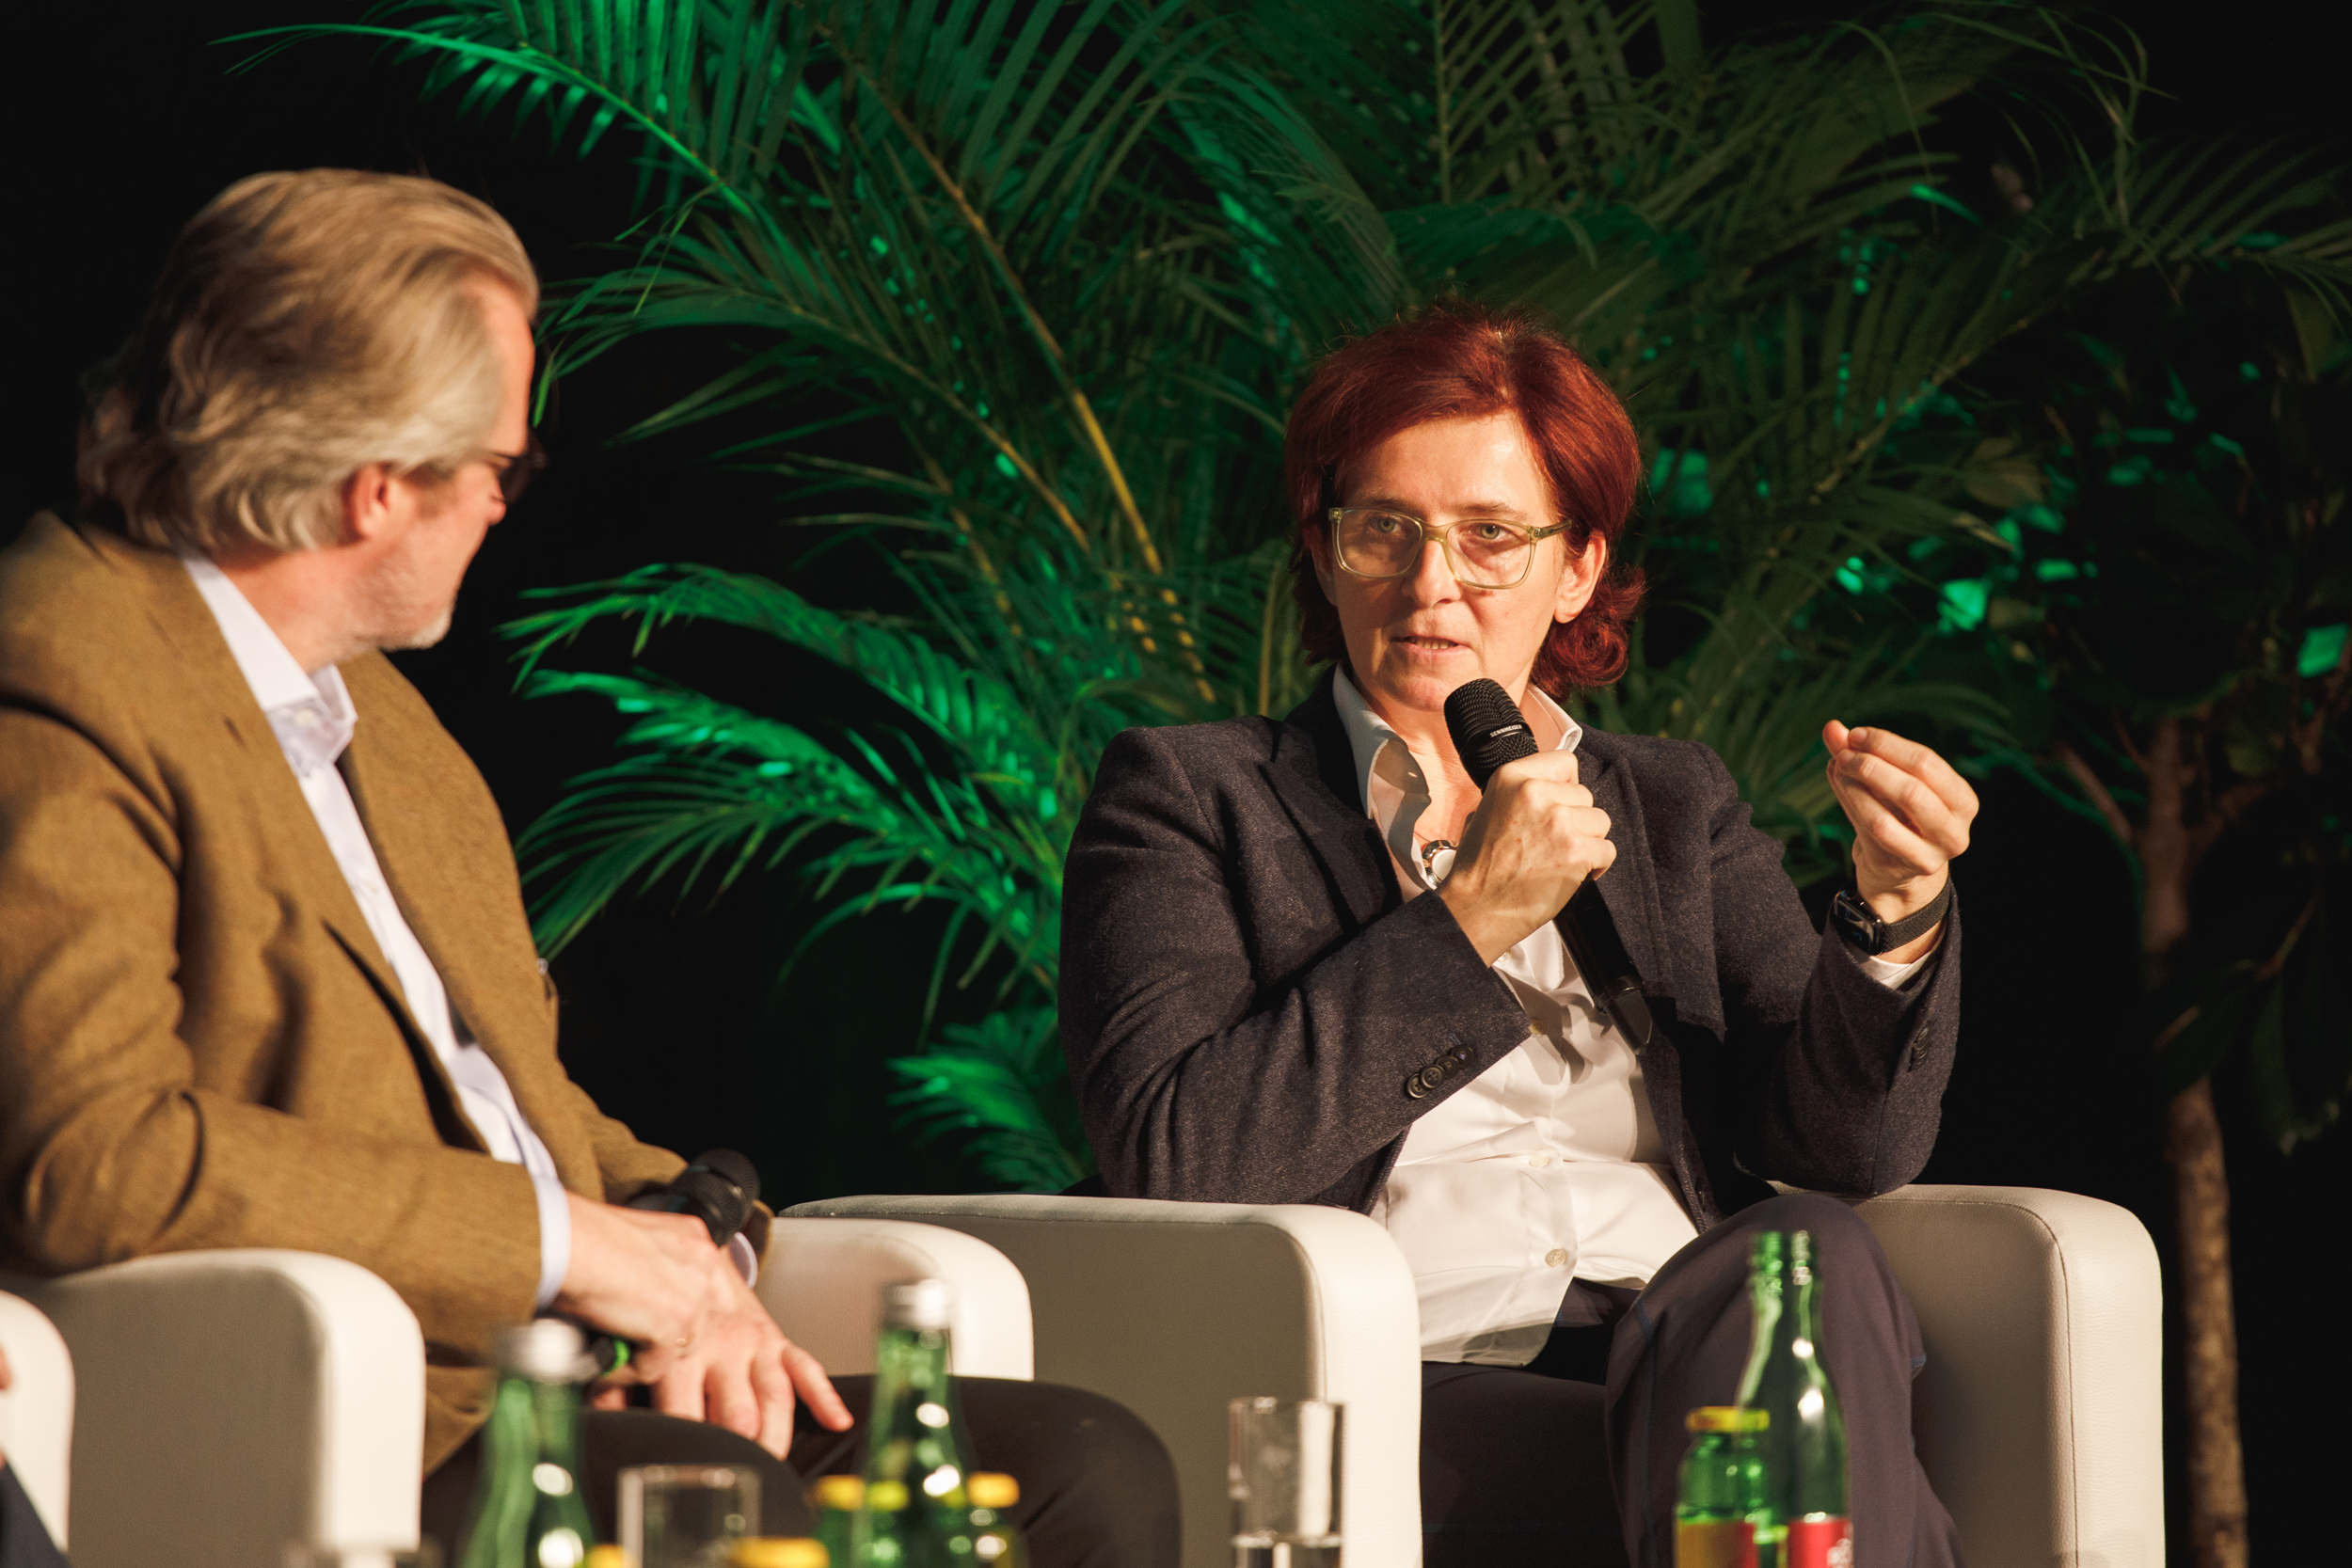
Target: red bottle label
[(1819, 1543), (1714, 1543)]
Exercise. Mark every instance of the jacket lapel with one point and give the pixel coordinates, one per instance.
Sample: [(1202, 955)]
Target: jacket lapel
[(1629, 889), (1313, 774), (448, 871), (218, 691)]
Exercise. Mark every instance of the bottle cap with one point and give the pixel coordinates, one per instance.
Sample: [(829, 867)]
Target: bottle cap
[(547, 1350), (842, 1494), (927, 1304), (885, 1496), (778, 1551), (1726, 1417), (607, 1556), (992, 1489)]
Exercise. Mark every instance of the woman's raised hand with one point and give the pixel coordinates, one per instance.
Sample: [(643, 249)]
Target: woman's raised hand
[(1910, 812), (1527, 848)]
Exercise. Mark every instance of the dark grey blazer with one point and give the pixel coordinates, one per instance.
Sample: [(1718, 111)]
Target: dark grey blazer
[(1247, 997)]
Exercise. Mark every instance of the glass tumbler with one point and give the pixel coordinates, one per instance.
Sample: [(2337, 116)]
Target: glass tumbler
[(686, 1516), (1284, 1475)]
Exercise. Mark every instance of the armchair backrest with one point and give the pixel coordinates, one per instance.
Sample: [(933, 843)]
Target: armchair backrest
[(2039, 1415), (37, 1409), (231, 1403)]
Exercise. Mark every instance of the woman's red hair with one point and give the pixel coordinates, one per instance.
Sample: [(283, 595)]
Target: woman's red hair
[(1458, 360)]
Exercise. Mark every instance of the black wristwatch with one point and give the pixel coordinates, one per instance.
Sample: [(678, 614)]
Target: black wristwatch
[(1872, 935)]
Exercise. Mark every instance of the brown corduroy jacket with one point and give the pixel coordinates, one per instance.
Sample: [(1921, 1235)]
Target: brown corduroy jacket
[(200, 1044)]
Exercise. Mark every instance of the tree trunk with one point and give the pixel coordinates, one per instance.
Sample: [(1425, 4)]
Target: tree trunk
[(2217, 1470), (2200, 1185)]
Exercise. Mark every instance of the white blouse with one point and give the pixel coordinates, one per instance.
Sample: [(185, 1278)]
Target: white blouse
[(1547, 1168)]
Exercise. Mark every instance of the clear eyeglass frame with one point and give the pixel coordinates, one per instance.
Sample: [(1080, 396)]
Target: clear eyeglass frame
[(1462, 573)]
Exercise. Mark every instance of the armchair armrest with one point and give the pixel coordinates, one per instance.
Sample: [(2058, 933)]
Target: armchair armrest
[(1175, 1308), (233, 1401), (37, 1410), (2039, 1415), (822, 1279)]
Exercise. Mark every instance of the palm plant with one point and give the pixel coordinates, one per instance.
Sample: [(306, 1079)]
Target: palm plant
[(1062, 262), (1069, 261)]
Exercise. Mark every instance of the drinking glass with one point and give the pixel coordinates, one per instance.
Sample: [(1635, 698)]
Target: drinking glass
[(1284, 1479), (687, 1515)]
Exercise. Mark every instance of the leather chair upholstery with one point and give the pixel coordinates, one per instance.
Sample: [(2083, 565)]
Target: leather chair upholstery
[(2039, 1414)]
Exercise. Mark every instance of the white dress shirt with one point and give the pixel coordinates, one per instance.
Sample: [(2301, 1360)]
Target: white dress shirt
[(1547, 1168), (314, 720)]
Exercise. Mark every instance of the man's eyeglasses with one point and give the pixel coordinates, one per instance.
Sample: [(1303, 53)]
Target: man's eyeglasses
[(514, 469), (1373, 542)]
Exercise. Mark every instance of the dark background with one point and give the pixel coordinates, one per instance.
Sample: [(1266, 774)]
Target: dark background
[(129, 118)]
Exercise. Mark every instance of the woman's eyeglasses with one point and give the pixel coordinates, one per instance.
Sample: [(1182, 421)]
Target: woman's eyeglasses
[(1374, 541)]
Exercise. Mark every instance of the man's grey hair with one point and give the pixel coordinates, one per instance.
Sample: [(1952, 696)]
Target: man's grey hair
[(306, 325)]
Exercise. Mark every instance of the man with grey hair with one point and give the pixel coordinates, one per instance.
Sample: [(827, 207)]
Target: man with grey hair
[(266, 977)]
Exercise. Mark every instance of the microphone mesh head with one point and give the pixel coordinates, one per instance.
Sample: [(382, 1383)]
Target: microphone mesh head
[(713, 1199), (1488, 729), (739, 1171)]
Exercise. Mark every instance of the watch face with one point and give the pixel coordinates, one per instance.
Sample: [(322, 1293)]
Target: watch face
[(1854, 920)]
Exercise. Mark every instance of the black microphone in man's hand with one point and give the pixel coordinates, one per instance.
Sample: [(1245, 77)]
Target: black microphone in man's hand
[(717, 1189), (1488, 730)]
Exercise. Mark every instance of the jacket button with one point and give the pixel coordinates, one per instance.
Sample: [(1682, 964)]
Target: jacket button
[(1415, 1088), (1433, 1075)]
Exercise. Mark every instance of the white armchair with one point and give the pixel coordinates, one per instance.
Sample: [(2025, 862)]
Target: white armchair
[(36, 1410), (2038, 1418), (231, 1403)]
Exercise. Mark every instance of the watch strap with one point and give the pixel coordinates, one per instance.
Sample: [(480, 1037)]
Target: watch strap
[(1873, 936)]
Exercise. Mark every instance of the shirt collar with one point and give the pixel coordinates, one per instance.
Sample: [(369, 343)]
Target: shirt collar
[(1388, 779), (311, 715)]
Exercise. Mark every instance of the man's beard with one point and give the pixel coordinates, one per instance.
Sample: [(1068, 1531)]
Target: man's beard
[(400, 610), (424, 639)]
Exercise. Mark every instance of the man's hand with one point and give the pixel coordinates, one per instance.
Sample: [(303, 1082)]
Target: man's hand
[(1910, 813), (1527, 848), (707, 1347)]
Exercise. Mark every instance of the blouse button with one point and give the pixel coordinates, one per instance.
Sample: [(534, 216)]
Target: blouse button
[(1540, 1160), (1557, 1258)]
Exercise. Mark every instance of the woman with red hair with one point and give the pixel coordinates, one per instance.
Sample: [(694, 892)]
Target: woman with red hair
[(1309, 962)]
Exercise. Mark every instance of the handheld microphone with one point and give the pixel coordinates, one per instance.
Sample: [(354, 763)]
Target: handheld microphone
[(717, 1189), (1488, 730)]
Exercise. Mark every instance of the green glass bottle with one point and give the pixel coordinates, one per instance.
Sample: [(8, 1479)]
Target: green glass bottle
[(1721, 1504), (997, 1542), (1804, 1446), (837, 1501), (917, 1511), (527, 1511)]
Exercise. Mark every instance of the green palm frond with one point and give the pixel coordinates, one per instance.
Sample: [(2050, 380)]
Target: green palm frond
[(715, 791), (1003, 1082), (1059, 266), (993, 734)]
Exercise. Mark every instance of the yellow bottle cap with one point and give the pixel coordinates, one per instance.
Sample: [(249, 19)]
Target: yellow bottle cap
[(1726, 1417), (605, 1557), (778, 1551), (843, 1493), (990, 1489), (886, 1497)]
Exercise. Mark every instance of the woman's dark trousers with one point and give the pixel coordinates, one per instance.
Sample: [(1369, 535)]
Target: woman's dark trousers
[(1572, 1460)]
